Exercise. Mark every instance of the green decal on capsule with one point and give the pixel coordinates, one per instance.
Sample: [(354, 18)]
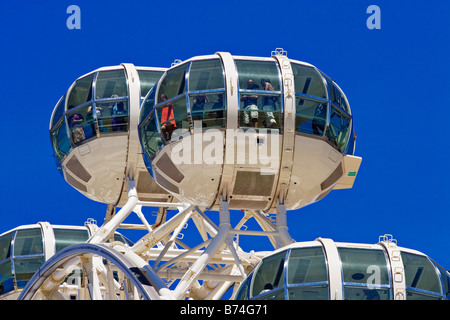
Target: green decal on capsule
[(352, 174)]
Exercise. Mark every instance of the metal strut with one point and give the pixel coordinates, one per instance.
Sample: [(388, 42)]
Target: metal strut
[(216, 243), (107, 229)]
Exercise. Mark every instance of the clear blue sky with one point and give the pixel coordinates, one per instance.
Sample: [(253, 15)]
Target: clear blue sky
[(396, 79)]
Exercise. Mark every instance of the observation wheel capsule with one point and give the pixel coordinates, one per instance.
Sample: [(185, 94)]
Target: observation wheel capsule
[(93, 131), (257, 131)]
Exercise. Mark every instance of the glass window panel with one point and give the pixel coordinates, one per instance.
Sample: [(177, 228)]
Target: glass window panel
[(28, 241), (68, 237), (336, 94), (206, 75), (209, 108), (351, 142), (111, 84), (81, 92), (260, 110), (420, 273), (123, 239), (310, 116), (59, 111), (307, 265), (242, 294), (24, 269), (364, 293), (308, 293), (257, 71), (60, 140), (148, 79), (173, 119), (5, 246), (173, 83), (258, 107), (308, 81), (6, 278), (148, 104), (364, 266), (338, 132), (81, 123), (151, 138), (112, 116), (414, 295), (445, 276), (269, 275)]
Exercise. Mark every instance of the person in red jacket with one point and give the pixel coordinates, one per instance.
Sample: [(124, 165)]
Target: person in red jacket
[(168, 124)]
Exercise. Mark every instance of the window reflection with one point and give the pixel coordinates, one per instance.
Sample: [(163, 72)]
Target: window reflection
[(173, 83), (206, 75), (81, 92), (6, 277), (60, 140), (173, 119), (365, 274), (81, 124), (151, 139), (338, 132), (148, 79), (307, 81), (28, 254), (111, 83), (336, 95), (310, 116), (421, 279), (59, 110), (269, 275), (260, 95), (68, 237), (209, 108)]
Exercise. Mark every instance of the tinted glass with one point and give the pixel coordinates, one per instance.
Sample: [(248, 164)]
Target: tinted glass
[(307, 265), (81, 124), (257, 71), (111, 84), (310, 116), (210, 108), (148, 79), (260, 98), (338, 132), (150, 137), (25, 268), (5, 246), (6, 278), (68, 237), (269, 275), (308, 81), (60, 140), (173, 83), (28, 241), (206, 75), (420, 274), (365, 274), (59, 111), (173, 119), (81, 92)]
